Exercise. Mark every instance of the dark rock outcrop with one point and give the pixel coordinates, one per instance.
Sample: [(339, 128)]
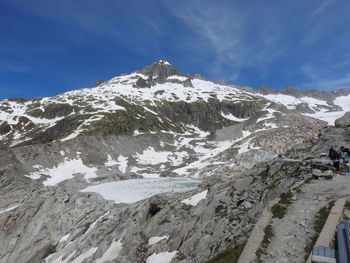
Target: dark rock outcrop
[(159, 71)]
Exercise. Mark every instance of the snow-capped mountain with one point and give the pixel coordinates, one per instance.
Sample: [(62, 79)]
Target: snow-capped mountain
[(174, 124), (150, 100)]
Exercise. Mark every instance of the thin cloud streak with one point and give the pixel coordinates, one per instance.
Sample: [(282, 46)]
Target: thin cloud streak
[(328, 84), (226, 34), (322, 8)]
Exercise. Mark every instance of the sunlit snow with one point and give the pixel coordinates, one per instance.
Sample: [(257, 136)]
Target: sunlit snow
[(194, 200), (162, 257), (63, 171)]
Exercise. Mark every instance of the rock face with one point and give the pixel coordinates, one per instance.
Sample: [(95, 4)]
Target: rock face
[(43, 216), (334, 136)]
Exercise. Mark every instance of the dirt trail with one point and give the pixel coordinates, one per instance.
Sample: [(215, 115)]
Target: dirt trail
[(295, 228)]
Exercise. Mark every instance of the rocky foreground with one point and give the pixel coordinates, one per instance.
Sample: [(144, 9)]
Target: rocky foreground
[(56, 223)]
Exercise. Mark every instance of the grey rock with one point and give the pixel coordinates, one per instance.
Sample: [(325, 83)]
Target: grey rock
[(344, 121), (247, 205)]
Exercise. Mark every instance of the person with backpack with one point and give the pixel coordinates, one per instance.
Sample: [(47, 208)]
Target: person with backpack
[(345, 155), (335, 157)]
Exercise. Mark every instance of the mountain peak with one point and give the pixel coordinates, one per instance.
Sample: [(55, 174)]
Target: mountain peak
[(160, 69), (164, 62)]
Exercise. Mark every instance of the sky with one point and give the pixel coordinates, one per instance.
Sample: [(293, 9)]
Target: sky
[(49, 47)]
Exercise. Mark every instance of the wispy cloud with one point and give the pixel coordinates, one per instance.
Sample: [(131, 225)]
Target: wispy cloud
[(234, 36), (322, 7), (327, 84)]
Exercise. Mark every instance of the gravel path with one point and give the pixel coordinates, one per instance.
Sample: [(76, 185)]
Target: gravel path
[(295, 228)]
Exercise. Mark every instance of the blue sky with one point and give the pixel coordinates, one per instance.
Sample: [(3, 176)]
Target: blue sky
[(48, 47)]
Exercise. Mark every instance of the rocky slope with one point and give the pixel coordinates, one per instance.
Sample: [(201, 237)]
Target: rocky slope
[(63, 225)]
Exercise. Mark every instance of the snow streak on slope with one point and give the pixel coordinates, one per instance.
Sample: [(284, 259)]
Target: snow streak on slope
[(8, 209)]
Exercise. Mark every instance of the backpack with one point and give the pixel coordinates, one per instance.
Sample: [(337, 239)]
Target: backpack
[(334, 155)]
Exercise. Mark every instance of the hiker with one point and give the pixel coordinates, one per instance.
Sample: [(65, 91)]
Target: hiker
[(335, 157), (345, 155)]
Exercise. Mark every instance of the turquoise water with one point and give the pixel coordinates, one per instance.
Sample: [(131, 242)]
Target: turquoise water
[(130, 191)]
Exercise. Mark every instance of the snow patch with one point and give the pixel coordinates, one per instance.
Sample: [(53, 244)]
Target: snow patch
[(181, 78), (162, 257), (246, 133), (110, 161), (232, 117), (63, 171), (205, 159), (268, 116), (164, 62), (123, 163), (194, 200), (152, 157), (137, 132)]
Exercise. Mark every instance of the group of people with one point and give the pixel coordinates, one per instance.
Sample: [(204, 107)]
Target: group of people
[(343, 156)]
